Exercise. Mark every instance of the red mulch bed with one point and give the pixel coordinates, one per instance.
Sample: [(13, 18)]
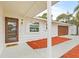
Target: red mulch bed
[(42, 43), (73, 53)]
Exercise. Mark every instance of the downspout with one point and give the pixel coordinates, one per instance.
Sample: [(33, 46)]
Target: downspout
[(77, 30)]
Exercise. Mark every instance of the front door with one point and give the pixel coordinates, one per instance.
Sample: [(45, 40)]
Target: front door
[(11, 30)]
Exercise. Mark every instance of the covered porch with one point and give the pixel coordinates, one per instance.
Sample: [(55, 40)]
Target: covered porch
[(25, 13)]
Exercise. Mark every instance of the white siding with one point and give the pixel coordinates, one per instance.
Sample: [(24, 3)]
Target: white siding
[(26, 35), (54, 30), (72, 29), (2, 30)]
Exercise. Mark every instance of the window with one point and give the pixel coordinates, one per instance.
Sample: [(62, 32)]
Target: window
[(34, 27)]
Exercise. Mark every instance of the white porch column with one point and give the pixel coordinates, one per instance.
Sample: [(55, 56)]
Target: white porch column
[(2, 29), (49, 28)]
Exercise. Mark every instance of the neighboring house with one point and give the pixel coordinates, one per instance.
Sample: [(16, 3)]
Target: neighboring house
[(61, 28)]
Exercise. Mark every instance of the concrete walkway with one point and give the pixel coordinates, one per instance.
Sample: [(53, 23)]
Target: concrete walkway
[(24, 51), (60, 49), (19, 51)]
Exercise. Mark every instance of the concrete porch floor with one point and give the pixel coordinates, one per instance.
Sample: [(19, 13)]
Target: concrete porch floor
[(24, 51)]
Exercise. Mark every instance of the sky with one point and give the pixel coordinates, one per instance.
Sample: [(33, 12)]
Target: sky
[(62, 7)]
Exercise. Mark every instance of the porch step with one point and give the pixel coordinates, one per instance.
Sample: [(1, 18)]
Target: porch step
[(11, 45)]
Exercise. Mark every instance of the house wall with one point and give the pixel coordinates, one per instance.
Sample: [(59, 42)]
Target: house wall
[(24, 31), (72, 29), (2, 30), (25, 35), (54, 30)]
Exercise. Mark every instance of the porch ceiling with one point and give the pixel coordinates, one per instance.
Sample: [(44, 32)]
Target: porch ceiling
[(24, 8)]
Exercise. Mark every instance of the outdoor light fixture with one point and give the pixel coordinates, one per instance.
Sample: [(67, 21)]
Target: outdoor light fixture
[(21, 21)]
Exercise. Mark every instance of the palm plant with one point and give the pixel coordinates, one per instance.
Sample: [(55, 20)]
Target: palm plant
[(64, 17), (76, 11), (44, 16), (76, 8), (61, 16)]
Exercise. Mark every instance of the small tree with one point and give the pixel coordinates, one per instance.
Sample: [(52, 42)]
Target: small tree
[(44, 16), (76, 11), (64, 17)]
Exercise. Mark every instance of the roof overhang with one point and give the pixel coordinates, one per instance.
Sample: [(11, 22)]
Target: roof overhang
[(55, 22), (24, 8)]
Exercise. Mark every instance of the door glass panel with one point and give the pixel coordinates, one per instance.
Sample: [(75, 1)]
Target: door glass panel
[(11, 30)]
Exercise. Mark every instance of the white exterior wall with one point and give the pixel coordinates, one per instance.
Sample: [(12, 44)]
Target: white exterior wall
[(54, 30), (25, 33), (2, 30), (72, 29)]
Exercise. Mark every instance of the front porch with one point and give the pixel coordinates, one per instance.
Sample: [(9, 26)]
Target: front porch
[(25, 13), (23, 50)]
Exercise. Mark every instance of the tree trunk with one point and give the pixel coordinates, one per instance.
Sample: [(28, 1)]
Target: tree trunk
[(77, 30)]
